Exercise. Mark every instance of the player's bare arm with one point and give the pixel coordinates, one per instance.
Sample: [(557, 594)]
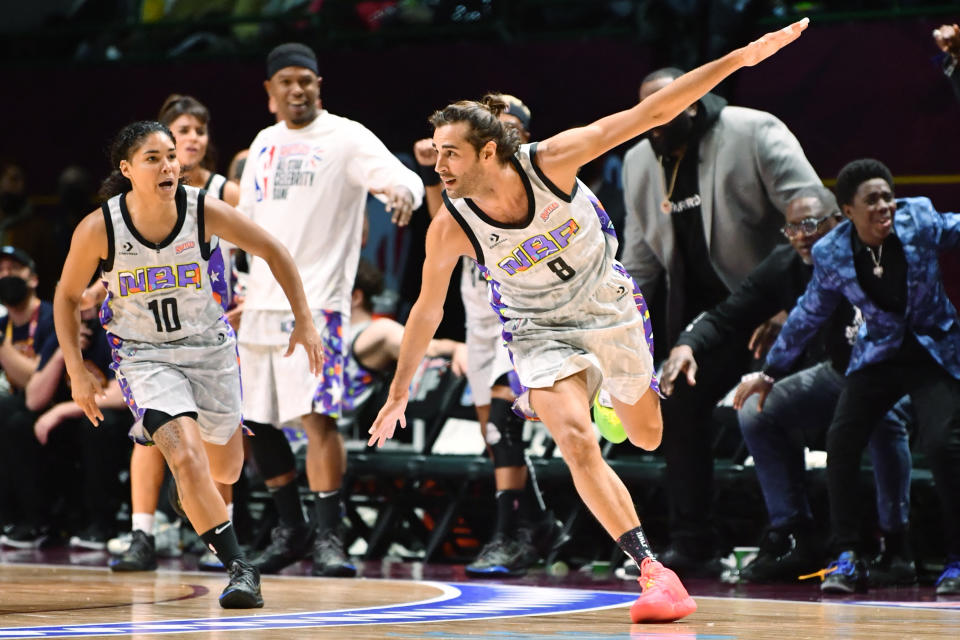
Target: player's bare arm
[(224, 221), (445, 243), (562, 155), (87, 248)]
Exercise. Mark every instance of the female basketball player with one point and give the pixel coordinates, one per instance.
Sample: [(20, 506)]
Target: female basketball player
[(174, 354), (189, 121)]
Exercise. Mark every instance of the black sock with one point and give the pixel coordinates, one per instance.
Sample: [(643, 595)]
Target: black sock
[(222, 540), (508, 511), (326, 510), (287, 501), (634, 544)]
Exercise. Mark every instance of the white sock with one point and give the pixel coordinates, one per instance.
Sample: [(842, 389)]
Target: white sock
[(143, 522)]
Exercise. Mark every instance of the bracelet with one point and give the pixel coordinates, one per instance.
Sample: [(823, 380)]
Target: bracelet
[(428, 175), (750, 377)]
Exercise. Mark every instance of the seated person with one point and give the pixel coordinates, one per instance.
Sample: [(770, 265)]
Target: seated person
[(798, 411), (28, 323), (883, 260), (98, 454)]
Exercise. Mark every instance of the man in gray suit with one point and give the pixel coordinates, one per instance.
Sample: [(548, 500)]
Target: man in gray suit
[(705, 195)]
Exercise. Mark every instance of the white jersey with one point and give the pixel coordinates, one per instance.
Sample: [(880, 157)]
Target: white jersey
[(166, 291), (308, 187), (563, 249), (215, 185), (473, 292)]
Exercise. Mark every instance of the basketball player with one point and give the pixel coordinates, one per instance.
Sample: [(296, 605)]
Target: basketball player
[(571, 314), (306, 180), (154, 244), (189, 121), (521, 516)]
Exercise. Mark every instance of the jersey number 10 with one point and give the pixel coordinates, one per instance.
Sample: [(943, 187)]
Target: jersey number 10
[(165, 314)]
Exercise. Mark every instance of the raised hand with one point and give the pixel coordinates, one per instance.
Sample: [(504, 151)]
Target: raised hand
[(766, 46)]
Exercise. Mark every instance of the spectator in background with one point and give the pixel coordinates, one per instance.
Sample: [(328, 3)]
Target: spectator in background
[(947, 37), (96, 455), (801, 406), (374, 349), (306, 180), (883, 261), (705, 196), (26, 327)]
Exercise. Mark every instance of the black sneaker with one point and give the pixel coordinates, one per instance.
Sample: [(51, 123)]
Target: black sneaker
[(687, 564), (329, 558), (546, 536), (783, 556), (24, 536), (140, 556), (846, 574), (243, 590), (892, 570), (503, 557), (287, 545), (948, 584)]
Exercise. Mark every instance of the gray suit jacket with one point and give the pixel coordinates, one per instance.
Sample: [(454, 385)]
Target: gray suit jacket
[(750, 168)]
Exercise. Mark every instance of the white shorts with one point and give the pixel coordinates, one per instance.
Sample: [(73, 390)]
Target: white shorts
[(277, 390), (607, 333), (197, 374), (487, 359)]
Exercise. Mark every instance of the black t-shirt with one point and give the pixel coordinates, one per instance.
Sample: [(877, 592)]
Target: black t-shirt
[(30, 336), (889, 289), (703, 288)]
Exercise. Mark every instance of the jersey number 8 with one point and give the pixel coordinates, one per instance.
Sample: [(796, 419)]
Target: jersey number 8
[(561, 268)]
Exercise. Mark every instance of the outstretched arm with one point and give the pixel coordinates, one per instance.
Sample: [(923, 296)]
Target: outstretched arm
[(226, 222), (562, 155), (446, 242)]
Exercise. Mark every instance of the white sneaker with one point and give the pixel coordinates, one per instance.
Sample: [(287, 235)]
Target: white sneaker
[(167, 535), (119, 545)]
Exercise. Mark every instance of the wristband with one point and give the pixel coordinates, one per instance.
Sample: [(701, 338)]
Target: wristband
[(428, 175)]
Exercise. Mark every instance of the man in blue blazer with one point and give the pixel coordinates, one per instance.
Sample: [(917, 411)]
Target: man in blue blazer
[(883, 259)]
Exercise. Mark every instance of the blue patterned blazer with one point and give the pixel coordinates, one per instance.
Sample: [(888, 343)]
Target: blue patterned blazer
[(929, 314)]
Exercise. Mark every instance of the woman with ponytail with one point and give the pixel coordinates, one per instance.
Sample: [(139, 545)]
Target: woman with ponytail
[(174, 353)]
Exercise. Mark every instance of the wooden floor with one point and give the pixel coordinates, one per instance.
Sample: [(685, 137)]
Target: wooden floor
[(40, 601)]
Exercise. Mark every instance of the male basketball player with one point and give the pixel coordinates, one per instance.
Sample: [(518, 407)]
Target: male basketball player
[(571, 314)]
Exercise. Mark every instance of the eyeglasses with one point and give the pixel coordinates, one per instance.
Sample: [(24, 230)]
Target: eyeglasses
[(807, 226)]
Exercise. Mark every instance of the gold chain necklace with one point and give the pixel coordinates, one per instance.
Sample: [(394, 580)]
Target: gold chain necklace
[(665, 204)]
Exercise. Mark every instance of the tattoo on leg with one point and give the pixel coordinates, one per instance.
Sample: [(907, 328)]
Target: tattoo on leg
[(169, 437)]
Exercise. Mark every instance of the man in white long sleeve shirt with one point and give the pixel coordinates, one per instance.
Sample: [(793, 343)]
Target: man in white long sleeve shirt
[(306, 180)]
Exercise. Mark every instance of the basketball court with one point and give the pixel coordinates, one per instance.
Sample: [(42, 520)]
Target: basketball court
[(59, 594)]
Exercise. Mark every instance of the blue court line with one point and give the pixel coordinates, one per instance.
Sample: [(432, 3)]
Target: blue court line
[(459, 601)]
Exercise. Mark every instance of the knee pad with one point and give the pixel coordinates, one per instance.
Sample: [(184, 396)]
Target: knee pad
[(271, 450), (505, 435)]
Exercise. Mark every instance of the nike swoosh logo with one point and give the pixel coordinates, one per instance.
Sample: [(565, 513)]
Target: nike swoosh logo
[(220, 530)]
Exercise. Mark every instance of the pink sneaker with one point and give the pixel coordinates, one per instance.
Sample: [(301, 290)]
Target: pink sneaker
[(662, 597)]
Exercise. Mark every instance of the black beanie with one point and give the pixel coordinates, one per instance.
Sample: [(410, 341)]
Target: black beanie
[(290, 54)]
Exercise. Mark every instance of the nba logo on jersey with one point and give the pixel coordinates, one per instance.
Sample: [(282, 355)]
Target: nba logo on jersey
[(264, 165), (534, 249)]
